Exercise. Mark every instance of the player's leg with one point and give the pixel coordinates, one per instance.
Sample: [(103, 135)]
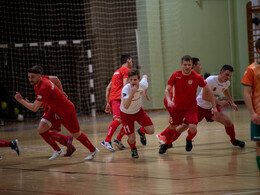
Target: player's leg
[(43, 130), (14, 145), (222, 118), (146, 125), (70, 122), (255, 136), (115, 105)]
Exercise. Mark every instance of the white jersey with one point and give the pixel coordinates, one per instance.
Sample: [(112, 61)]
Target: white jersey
[(217, 88), (136, 103)]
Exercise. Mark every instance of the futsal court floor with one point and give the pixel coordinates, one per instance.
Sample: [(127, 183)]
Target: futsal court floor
[(214, 166)]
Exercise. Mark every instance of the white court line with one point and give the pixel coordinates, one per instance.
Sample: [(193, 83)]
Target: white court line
[(249, 192)]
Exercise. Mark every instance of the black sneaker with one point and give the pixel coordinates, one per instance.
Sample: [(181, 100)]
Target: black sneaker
[(163, 148), (15, 146), (239, 143), (188, 145), (0, 158), (134, 153), (142, 136)]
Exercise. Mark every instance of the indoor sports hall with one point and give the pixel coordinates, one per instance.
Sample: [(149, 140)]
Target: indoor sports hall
[(81, 43)]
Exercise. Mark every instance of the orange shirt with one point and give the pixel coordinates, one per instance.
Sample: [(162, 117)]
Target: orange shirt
[(117, 83), (252, 78)]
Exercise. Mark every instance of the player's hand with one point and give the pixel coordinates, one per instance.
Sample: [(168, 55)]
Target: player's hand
[(170, 104), (18, 97), (133, 89), (224, 103), (27, 100), (108, 109), (214, 110), (146, 95), (234, 106), (255, 119)]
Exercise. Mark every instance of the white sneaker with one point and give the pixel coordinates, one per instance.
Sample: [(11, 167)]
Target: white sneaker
[(108, 146), (57, 154), (92, 154)]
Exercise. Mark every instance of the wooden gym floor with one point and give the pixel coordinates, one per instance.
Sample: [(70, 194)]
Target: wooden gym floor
[(214, 166)]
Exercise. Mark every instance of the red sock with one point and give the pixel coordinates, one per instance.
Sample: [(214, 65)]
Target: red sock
[(85, 141), (175, 136), (48, 139), (62, 139), (132, 146), (111, 130), (4, 143), (121, 134), (231, 132), (164, 133), (169, 135), (142, 130), (191, 135)]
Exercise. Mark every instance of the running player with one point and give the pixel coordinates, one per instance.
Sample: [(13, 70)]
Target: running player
[(131, 110), (113, 98), (49, 93)]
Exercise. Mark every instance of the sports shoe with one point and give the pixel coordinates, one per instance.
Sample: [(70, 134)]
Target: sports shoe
[(15, 146), (239, 143), (134, 153), (70, 148), (57, 154), (92, 154), (161, 138), (119, 144), (142, 136), (108, 146), (0, 158), (163, 148), (188, 145)]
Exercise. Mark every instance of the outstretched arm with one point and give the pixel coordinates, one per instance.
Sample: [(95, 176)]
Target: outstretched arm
[(31, 106)]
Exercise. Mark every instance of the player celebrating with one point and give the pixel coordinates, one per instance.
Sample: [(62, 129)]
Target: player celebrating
[(131, 109), (49, 93)]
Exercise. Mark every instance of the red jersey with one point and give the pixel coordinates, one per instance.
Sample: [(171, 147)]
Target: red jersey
[(50, 94), (117, 83), (186, 89), (44, 105)]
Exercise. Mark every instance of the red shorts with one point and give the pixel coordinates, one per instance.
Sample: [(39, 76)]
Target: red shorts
[(183, 116), (70, 122), (128, 121), (52, 119), (206, 113), (115, 105)]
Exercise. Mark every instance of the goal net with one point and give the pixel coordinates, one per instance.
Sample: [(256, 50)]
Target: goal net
[(80, 41)]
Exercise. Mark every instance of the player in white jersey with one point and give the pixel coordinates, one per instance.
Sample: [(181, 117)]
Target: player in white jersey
[(131, 110), (219, 85)]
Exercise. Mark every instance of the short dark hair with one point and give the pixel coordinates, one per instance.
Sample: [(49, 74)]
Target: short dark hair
[(257, 44), (186, 58), (195, 60), (35, 69), (227, 67), (124, 58), (134, 72)]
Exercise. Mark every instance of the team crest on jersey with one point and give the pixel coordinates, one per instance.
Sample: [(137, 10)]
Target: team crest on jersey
[(39, 97), (190, 82), (214, 89)]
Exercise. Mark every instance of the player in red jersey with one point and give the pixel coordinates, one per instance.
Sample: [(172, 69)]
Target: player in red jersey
[(113, 98), (12, 144), (196, 66), (49, 93), (184, 106), (50, 121)]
